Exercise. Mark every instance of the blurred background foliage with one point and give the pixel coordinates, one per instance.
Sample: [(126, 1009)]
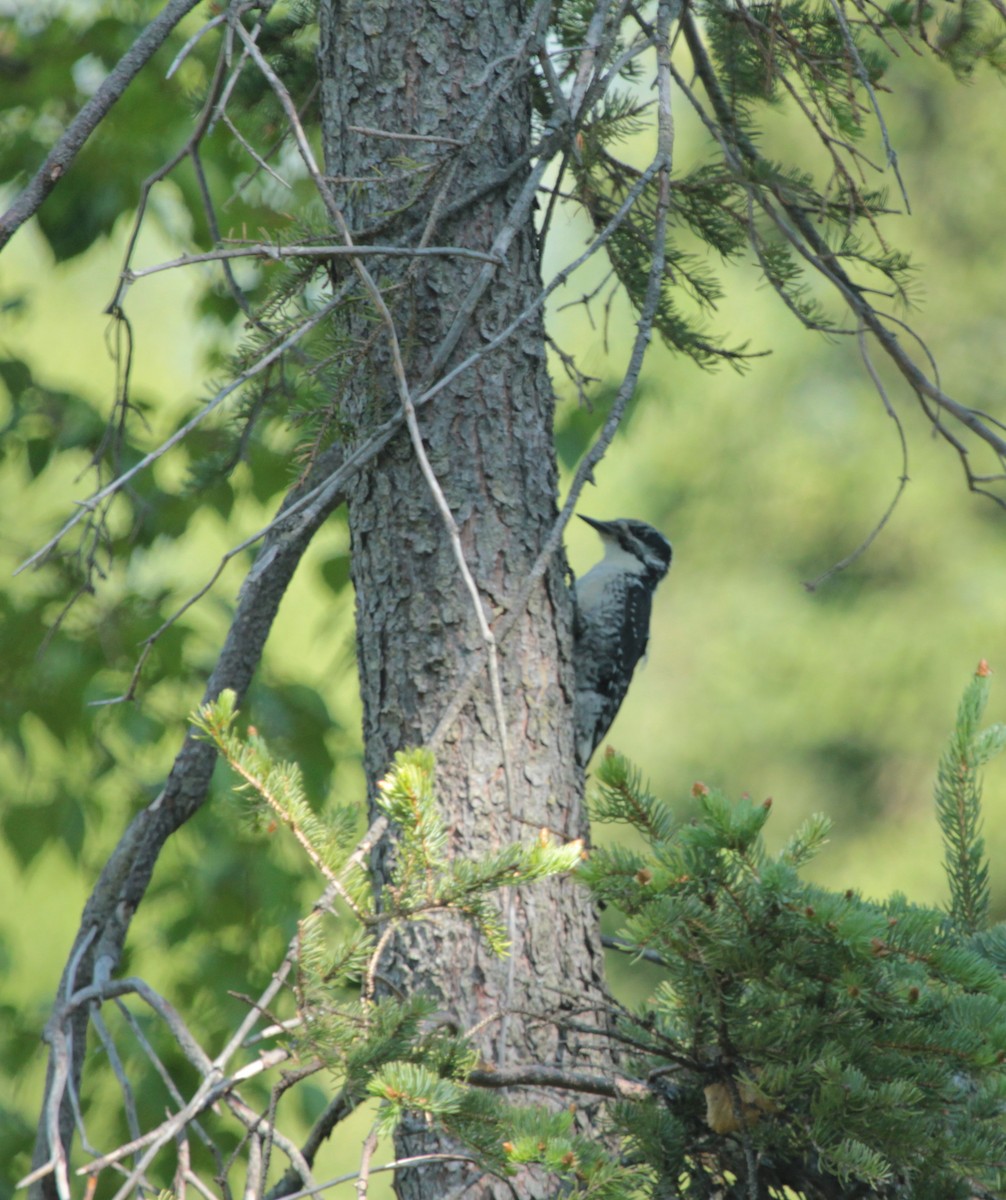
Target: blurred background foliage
[(836, 700)]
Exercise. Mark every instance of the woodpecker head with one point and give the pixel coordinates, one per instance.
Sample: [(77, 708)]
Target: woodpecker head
[(637, 546)]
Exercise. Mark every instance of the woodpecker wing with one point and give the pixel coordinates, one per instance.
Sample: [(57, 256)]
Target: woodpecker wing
[(618, 640), (633, 632)]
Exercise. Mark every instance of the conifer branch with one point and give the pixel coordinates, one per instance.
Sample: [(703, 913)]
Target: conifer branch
[(280, 788), (783, 208), (958, 795), (870, 1026)]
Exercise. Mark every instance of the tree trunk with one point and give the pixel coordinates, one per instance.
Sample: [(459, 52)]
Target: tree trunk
[(430, 68)]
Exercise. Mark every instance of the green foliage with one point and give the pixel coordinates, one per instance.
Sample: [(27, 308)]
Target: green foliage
[(958, 806), (409, 1087), (378, 1045), (602, 185), (755, 63), (279, 789), (836, 1041), (968, 35), (425, 880), (44, 83), (589, 1169)]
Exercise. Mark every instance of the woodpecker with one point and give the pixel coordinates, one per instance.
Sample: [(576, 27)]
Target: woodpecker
[(611, 623)]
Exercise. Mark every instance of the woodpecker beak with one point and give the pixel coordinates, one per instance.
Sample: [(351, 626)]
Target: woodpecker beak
[(604, 528)]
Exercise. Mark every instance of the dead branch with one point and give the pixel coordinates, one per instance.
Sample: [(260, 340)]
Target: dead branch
[(61, 156)]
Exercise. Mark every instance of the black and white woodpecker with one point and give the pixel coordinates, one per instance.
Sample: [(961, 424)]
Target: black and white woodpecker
[(611, 622)]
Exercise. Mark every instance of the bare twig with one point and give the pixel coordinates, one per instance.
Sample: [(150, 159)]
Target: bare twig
[(539, 1075), (368, 131), (864, 79), (201, 125), (234, 14), (199, 1185), (194, 41), (864, 350), (341, 1106), (253, 154), (277, 253), (144, 1043), (258, 1124), (119, 1071), (213, 106), (355, 860), (366, 1158), (211, 405), (413, 1160), (61, 156)]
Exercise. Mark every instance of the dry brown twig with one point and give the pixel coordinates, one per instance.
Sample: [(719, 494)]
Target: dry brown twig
[(216, 1083)]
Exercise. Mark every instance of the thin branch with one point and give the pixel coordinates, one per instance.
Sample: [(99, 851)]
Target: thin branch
[(198, 1184), (170, 1086), (119, 1071), (58, 1079), (112, 988), (211, 405), (152, 639), (538, 1075), (253, 154), (194, 41), (368, 131), (61, 156), (366, 1157), (341, 1106), (596, 46), (413, 1160), (864, 79), (209, 210), (216, 98), (263, 158), (813, 584), (233, 21), (798, 229), (303, 841), (256, 1122), (370, 977), (277, 253), (360, 855)]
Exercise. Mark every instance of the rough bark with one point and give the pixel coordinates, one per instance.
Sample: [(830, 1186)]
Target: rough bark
[(429, 68)]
